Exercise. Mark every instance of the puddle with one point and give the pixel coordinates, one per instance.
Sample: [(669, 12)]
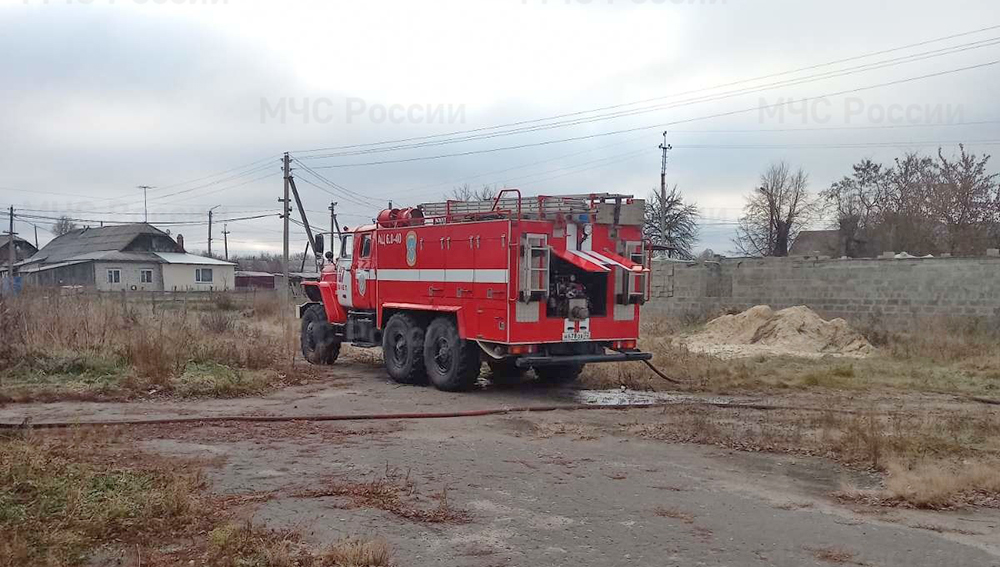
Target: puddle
[(631, 397)]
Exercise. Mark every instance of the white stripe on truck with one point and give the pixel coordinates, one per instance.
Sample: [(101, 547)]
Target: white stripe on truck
[(451, 276)]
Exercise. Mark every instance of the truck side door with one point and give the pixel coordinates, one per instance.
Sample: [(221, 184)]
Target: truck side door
[(363, 273)]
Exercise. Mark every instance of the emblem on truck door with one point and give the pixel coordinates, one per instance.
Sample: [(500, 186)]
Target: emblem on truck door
[(411, 248), (362, 277)]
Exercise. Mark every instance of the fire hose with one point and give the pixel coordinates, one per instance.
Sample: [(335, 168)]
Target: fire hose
[(27, 424)]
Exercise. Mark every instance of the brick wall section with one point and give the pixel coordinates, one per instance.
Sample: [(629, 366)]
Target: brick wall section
[(900, 291)]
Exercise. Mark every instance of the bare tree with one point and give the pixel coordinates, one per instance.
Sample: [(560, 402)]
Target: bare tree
[(775, 212), (904, 222), (857, 202), (466, 192), (965, 199), (669, 222), (63, 225)]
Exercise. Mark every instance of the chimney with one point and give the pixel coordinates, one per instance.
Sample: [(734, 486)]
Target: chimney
[(180, 242)]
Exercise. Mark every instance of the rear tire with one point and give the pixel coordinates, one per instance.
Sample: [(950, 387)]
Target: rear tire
[(559, 374), (403, 350), (452, 363), (320, 344)]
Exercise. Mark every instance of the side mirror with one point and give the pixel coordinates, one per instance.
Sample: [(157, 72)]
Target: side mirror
[(320, 245)]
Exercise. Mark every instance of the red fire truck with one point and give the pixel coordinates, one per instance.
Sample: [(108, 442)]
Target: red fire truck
[(548, 283)]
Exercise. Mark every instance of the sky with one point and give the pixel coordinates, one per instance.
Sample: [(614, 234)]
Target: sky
[(386, 100)]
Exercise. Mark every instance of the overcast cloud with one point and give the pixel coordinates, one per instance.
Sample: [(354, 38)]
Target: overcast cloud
[(100, 96)]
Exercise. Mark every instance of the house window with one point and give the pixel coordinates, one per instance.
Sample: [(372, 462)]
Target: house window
[(146, 276), (114, 276), (203, 275)]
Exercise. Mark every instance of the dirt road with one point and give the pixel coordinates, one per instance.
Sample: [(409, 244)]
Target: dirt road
[(562, 488)]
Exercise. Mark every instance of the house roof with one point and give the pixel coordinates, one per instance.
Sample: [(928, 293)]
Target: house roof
[(178, 258), (4, 239), (249, 274), (87, 243), (817, 242)]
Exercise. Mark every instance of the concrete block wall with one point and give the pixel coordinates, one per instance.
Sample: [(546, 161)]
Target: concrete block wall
[(897, 291)]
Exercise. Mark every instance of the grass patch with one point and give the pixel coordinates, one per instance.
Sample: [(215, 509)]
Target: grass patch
[(392, 492), (219, 381), (936, 459), (950, 356), (114, 349), (61, 496), (66, 497)]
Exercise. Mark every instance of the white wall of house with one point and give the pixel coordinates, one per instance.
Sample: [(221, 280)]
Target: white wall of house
[(130, 276), (184, 277)]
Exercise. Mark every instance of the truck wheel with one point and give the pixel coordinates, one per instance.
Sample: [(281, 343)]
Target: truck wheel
[(559, 374), (452, 363), (504, 371), (403, 350), (320, 344)]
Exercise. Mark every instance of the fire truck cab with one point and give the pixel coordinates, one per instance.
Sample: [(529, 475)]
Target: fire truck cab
[(548, 283)]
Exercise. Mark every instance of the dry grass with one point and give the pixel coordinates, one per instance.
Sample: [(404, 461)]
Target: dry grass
[(100, 347), (244, 544), (673, 513), (934, 485), (930, 460), (357, 552), (65, 496), (835, 555), (392, 492), (938, 355)]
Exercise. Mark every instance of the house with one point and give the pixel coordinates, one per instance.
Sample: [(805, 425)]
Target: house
[(131, 257), (22, 249)]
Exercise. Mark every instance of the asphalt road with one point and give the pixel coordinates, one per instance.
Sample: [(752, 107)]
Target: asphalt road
[(562, 488)]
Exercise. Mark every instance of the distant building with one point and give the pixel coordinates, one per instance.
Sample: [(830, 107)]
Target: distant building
[(818, 243), (131, 257), (22, 250), (254, 280)]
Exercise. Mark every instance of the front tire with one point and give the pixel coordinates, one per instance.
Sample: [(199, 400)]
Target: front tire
[(452, 363), (559, 374), (403, 350), (319, 342)]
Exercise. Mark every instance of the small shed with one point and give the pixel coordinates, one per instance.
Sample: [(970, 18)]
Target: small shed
[(246, 280)]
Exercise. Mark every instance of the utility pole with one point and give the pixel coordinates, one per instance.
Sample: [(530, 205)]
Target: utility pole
[(145, 210), (225, 239), (210, 228), (36, 236), (334, 225), (305, 223), (662, 206), (286, 162)]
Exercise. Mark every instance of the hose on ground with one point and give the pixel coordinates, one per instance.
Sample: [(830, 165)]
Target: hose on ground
[(27, 423)]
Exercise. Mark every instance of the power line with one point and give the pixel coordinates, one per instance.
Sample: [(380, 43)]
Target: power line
[(162, 187), (634, 112), (908, 143), (340, 188), (165, 223), (657, 126), (222, 189), (705, 89)]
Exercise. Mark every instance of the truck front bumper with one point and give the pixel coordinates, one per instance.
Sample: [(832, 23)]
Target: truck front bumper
[(546, 360)]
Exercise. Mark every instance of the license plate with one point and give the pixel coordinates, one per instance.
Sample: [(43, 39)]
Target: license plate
[(576, 336)]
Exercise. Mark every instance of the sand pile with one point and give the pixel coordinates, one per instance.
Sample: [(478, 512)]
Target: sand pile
[(797, 331)]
